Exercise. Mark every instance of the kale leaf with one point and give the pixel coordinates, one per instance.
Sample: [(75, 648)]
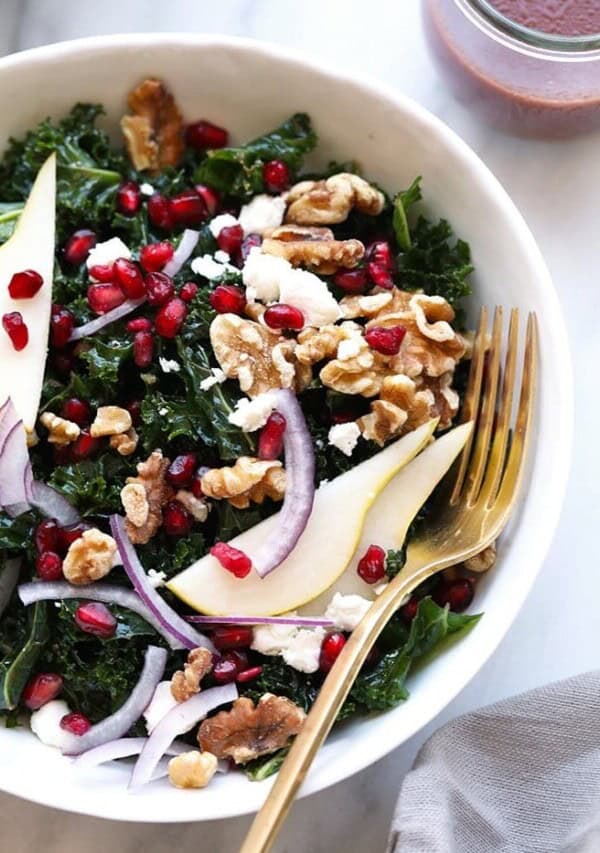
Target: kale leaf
[(93, 486), (22, 639), (265, 765), (165, 554), (105, 357), (402, 202), (9, 216), (395, 560), (16, 534), (238, 171), (282, 680)]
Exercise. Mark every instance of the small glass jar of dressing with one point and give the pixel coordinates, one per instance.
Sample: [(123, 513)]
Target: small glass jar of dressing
[(533, 82)]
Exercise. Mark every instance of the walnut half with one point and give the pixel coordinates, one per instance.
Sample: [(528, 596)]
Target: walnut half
[(329, 201), (151, 476), (154, 133), (313, 248), (185, 683)]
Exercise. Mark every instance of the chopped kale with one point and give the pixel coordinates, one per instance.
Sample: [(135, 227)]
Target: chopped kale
[(282, 680), (402, 202), (394, 561), (105, 357), (93, 486), (265, 766), (23, 635)]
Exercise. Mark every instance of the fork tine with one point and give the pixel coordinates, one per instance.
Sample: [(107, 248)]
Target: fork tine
[(488, 410), (471, 400), (515, 466)]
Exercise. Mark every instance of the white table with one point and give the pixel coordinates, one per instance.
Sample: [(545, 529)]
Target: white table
[(556, 187)]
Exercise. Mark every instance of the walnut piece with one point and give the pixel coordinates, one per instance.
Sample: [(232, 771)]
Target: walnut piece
[(186, 683), (60, 430), (90, 557), (355, 370), (445, 400), (365, 306), (195, 506), (250, 479), (135, 503), (246, 731), (125, 443), (154, 133), (151, 475), (400, 408), (192, 769), (329, 201), (110, 420), (318, 344), (313, 248), (483, 561)]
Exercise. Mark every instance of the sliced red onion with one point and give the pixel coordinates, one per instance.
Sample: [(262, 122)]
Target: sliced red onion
[(171, 622), (8, 581), (52, 504), (15, 510), (176, 722), (187, 244), (14, 459), (106, 593), (300, 486), (8, 418), (93, 326), (124, 747), (301, 621), (119, 723)]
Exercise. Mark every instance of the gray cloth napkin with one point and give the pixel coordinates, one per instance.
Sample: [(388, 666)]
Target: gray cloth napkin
[(520, 776)]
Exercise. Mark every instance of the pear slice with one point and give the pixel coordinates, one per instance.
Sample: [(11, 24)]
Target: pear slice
[(391, 515), (30, 247), (322, 553)]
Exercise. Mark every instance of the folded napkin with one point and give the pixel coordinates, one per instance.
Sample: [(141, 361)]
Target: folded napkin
[(520, 776)]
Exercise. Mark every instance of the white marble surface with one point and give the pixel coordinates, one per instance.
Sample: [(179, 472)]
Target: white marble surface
[(556, 187)]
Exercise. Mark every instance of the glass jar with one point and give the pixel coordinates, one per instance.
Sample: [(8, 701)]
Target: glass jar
[(527, 81)]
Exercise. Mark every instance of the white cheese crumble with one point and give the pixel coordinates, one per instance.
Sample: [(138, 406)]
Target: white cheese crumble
[(346, 611), (107, 252), (146, 189), (304, 649), (209, 268), (45, 723), (261, 275), (221, 256), (156, 579), (161, 703), (162, 412), (272, 639), (169, 365), (262, 213), (306, 291), (344, 437), (217, 377), (251, 415), (224, 220)]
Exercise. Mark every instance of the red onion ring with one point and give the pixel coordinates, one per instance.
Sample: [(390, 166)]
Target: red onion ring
[(187, 244), (123, 747), (52, 504), (300, 621), (93, 326), (14, 459)]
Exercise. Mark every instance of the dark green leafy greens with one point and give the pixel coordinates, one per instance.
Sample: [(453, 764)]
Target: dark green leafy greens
[(93, 486), (22, 638), (402, 202)]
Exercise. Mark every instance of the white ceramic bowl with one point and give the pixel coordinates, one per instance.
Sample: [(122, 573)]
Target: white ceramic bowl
[(248, 88)]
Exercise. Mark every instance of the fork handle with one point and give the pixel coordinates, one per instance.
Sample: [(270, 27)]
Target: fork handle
[(324, 711)]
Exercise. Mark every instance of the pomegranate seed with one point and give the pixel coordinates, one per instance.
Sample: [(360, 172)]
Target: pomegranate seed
[(77, 724), (85, 445), (232, 637), (249, 674), (276, 176), (270, 440), (154, 256), (159, 287), (95, 618), (230, 239), (104, 297), (129, 198), (330, 650), (181, 470), (232, 559), (283, 316), (188, 208), (177, 521), (189, 291), (351, 281), (228, 299), (46, 536), (227, 667), (41, 689), (76, 410), (210, 197), (134, 407), (49, 566), (196, 485), (102, 273), (458, 594), (143, 348), (78, 246), (409, 610), (380, 253), (202, 135), (68, 535), (171, 318), (159, 212), (62, 324), (371, 567), (24, 285), (139, 324), (386, 340), (343, 417), (15, 328), (380, 276), (250, 242), (62, 455), (130, 277)]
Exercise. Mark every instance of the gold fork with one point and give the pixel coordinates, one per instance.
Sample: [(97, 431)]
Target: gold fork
[(473, 514)]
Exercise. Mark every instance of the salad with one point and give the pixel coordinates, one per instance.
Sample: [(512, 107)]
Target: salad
[(221, 373)]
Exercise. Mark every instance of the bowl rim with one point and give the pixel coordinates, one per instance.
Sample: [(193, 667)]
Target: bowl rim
[(372, 748)]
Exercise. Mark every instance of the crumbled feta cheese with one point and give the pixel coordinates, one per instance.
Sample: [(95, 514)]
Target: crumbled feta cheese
[(304, 648), (251, 415), (261, 275), (169, 365), (224, 220), (349, 348), (164, 411), (346, 611), (156, 579), (344, 437), (107, 252), (217, 377), (307, 292), (161, 703), (272, 639), (45, 723), (209, 268), (262, 213), (146, 188), (221, 256)]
